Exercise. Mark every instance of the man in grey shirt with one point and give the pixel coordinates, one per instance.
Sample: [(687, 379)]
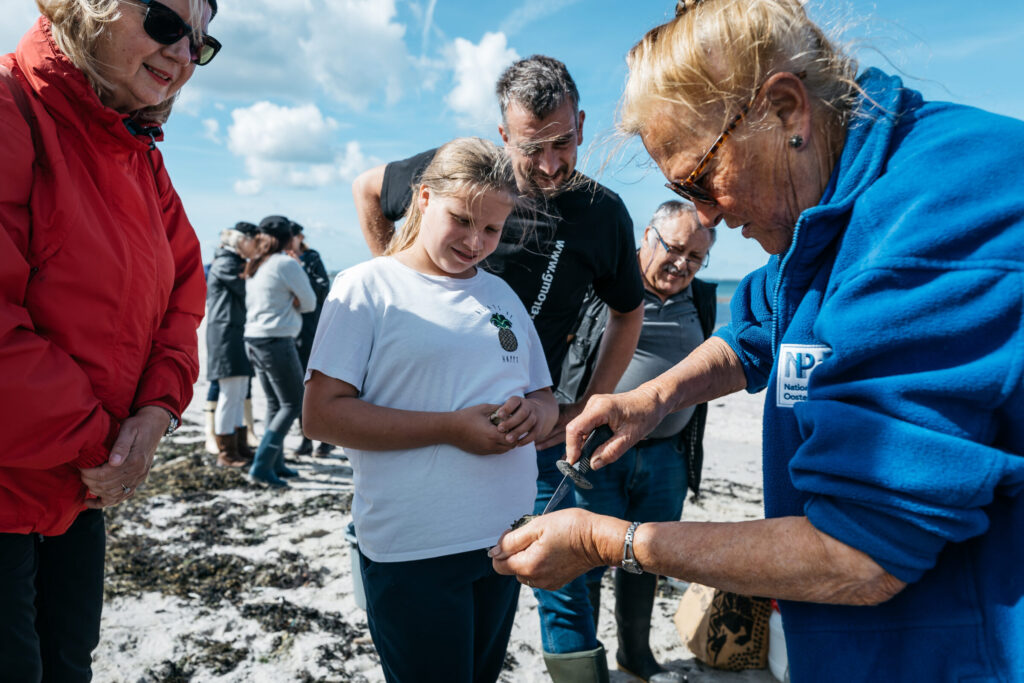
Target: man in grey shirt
[(648, 483)]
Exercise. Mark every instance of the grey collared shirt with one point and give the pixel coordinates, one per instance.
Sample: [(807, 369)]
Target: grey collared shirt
[(671, 330)]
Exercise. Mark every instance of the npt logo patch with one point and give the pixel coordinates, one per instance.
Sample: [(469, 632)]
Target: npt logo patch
[(796, 363)]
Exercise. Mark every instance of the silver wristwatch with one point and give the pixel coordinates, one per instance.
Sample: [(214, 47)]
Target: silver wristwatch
[(629, 562), (173, 424)]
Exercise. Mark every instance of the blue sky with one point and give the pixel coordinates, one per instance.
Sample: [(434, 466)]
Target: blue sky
[(307, 93)]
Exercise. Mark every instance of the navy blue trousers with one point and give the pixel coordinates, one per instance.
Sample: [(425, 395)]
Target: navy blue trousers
[(445, 619), (51, 597)]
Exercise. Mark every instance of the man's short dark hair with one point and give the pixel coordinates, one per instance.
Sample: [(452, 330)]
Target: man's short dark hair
[(539, 84)]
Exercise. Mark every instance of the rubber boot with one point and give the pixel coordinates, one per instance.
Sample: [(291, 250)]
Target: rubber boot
[(588, 666), (250, 425), (634, 600), (280, 469), (262, 470), (211, 435), (242, 443), (227, 455), (594, 593)]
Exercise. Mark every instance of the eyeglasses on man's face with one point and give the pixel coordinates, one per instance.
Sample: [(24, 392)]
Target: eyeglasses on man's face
[(166, 27), (675, 253)]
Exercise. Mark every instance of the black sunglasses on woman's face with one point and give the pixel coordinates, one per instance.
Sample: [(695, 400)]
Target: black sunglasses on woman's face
[(163, 25)]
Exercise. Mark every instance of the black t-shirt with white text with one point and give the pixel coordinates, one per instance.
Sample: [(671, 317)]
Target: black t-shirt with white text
[(582, 237)]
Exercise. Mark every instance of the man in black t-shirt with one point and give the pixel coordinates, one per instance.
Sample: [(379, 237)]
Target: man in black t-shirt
[(581, 237)]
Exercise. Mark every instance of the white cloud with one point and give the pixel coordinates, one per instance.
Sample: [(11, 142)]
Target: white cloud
[(291, 147), (277, 133), (249, 186), (350, 50), (355, 50), (428, 24), (531, 11), (211, 130), (477, 68)]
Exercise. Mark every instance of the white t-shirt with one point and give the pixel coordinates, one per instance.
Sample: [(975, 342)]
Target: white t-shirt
[(412, 341)]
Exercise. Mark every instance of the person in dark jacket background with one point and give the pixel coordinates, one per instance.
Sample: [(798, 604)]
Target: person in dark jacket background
[(648, 483), (321, 283), (226, 360)]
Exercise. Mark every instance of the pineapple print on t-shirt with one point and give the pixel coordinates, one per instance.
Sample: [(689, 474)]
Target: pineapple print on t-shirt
[(505, 334)]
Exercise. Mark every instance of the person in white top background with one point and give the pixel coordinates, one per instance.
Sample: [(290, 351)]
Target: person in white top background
[(417, 355), (277, 293)]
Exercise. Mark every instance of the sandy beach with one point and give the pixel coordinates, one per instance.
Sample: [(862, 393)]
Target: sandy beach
[(212, 579)]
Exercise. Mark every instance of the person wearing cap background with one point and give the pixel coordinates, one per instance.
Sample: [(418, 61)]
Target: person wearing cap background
[(226, 360), (321, 283), (277, 292)]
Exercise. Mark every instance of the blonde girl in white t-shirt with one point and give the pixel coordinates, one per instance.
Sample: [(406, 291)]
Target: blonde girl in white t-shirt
[(414, 354)]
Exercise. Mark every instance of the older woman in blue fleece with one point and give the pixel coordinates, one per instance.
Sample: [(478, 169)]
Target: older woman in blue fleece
[(887, 329)]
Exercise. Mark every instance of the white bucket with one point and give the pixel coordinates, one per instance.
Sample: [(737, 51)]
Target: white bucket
[(778, 661), (357, 575)]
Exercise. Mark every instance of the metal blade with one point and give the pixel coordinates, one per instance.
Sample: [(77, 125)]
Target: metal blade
[(574, 473), (559, 494)]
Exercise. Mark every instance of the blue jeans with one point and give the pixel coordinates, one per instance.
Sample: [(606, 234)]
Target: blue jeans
[(647, 484), (446, 619), (566, 618)]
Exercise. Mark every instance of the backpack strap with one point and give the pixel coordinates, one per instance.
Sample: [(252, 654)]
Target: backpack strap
[(21, 101)]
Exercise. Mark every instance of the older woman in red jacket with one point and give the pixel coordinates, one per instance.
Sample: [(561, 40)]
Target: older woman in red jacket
[(101, 292)]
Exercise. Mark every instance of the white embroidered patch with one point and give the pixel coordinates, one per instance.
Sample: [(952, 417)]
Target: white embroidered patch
[(795, 365)]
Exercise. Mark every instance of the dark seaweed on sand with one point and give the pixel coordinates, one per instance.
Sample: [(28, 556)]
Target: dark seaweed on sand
[(191, 560)]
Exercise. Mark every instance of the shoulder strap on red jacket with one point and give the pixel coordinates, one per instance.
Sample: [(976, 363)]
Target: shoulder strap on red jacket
[(21, 100)]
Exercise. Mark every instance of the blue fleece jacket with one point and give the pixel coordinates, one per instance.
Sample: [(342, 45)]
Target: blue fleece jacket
[(890, 338)]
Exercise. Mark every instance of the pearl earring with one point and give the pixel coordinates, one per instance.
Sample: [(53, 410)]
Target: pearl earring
[(796, 142)]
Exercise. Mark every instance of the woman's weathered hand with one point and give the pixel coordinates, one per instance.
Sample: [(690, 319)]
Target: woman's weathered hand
[(130, 458), (473, 431), (631, 415), (552, 550)]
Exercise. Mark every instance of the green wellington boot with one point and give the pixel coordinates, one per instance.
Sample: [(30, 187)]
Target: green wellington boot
[(588, 666)]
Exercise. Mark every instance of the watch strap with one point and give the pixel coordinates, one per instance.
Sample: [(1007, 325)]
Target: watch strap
[(629, 562), (173, 424)]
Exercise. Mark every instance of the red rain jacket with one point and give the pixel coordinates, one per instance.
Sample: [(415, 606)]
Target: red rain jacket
[(101, 286)]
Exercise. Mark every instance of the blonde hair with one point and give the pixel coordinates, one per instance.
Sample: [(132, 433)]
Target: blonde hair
[(713, 56), (229, 237), (464, 166), (77, 27)]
